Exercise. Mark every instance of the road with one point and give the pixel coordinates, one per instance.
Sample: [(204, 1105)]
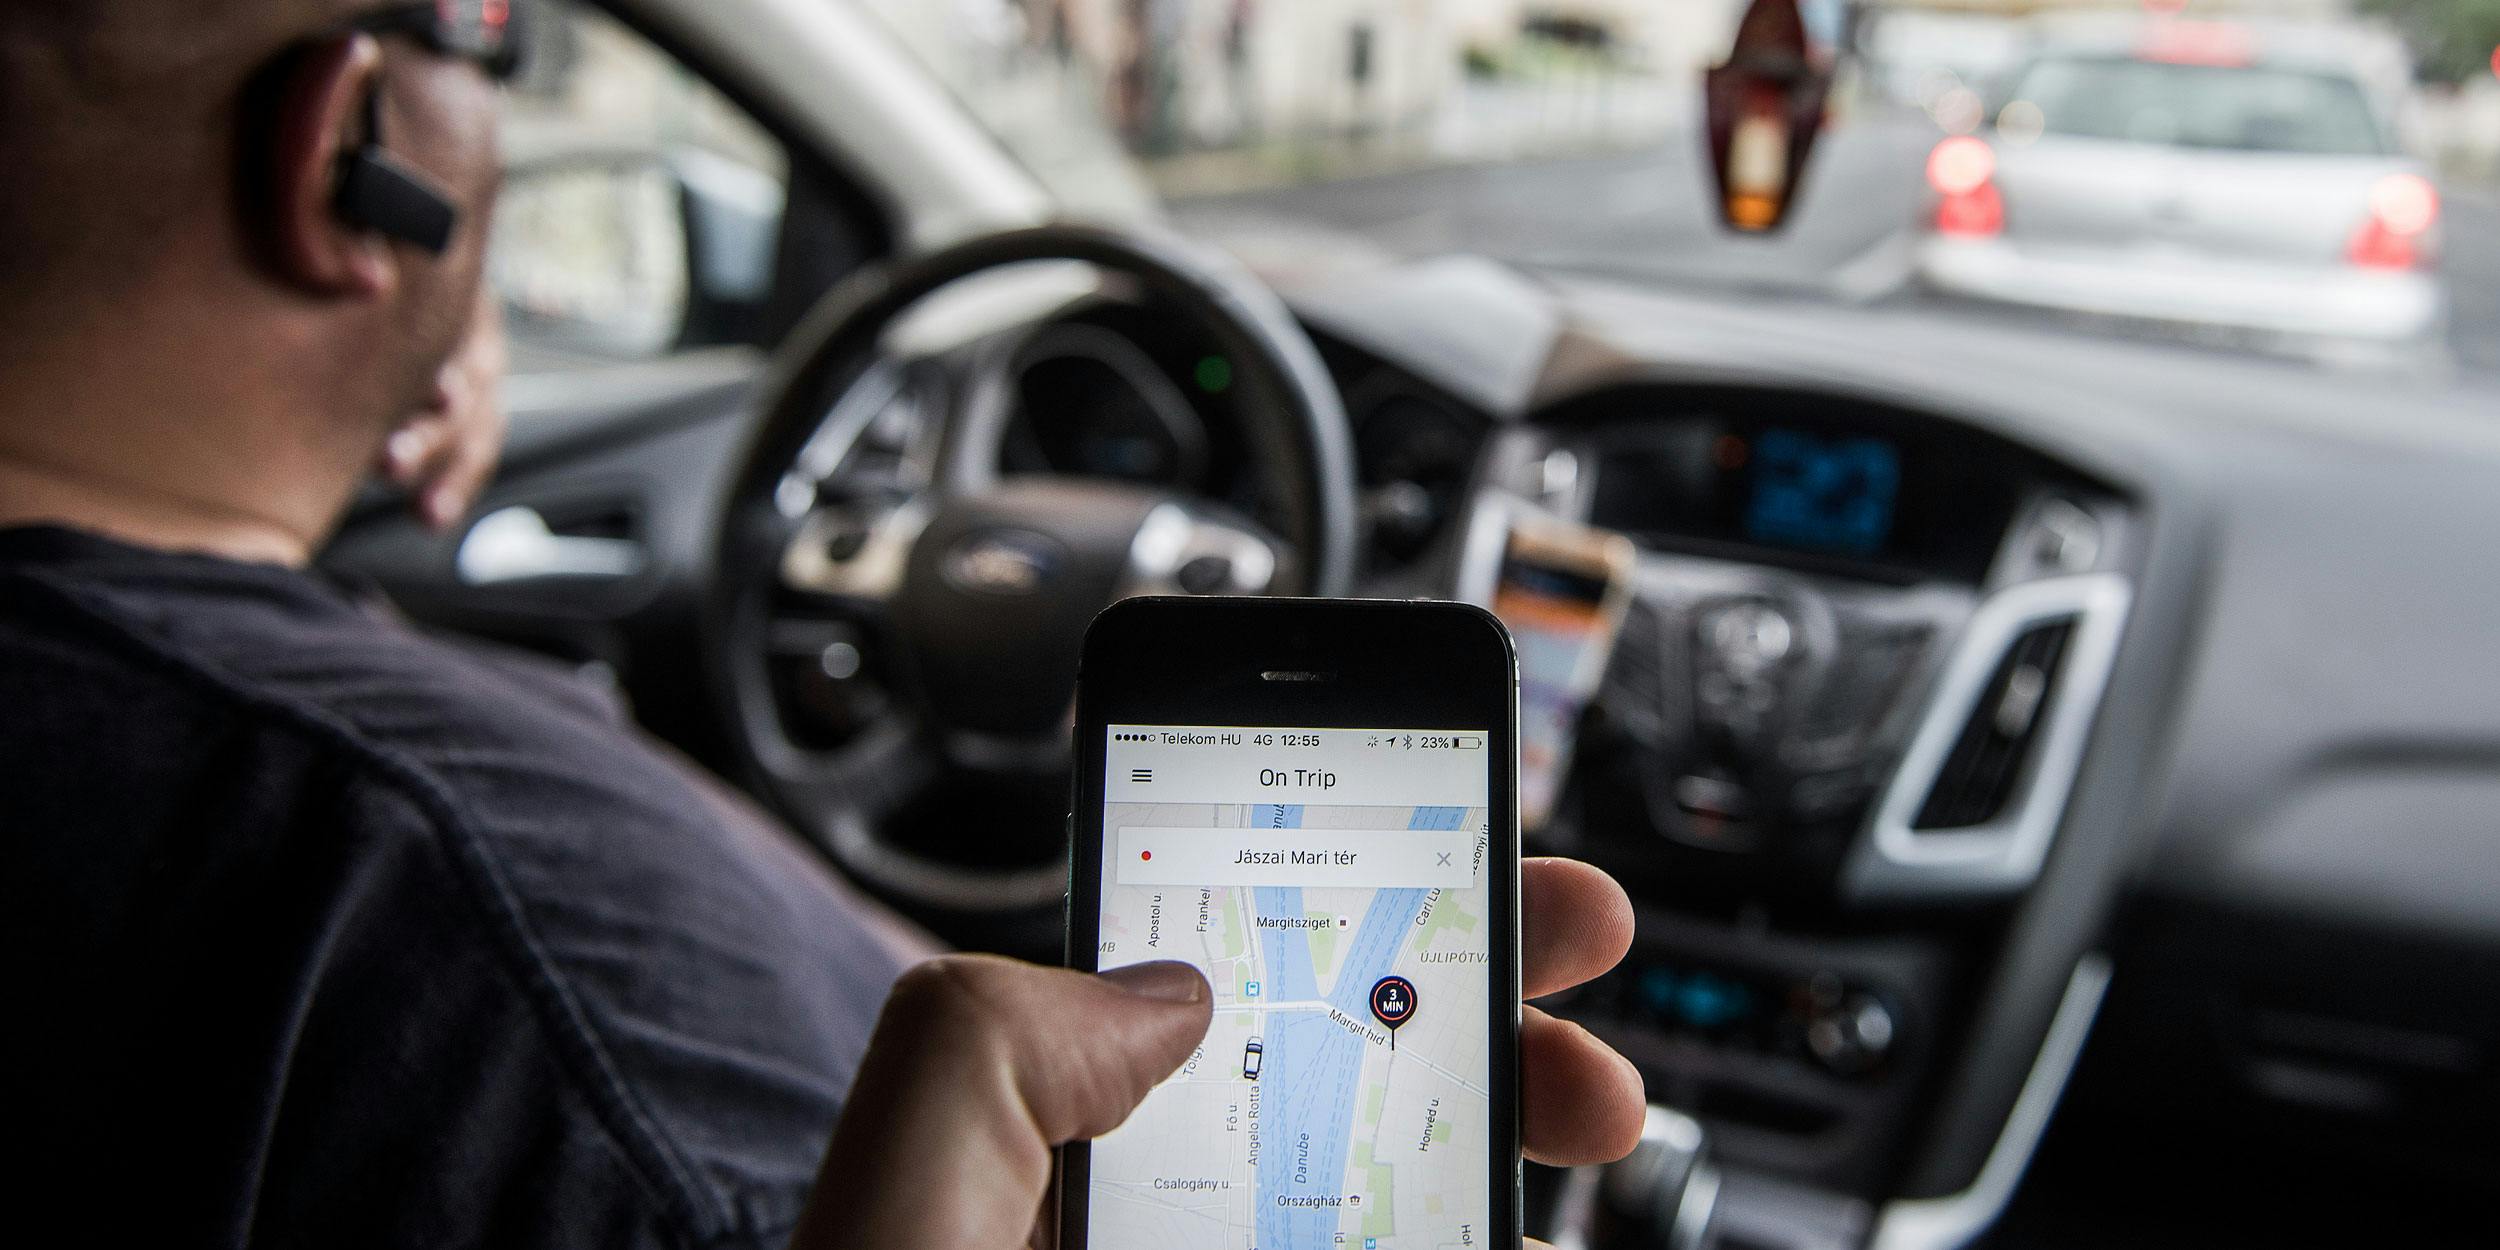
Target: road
[(1647, 215), (2473, 267)]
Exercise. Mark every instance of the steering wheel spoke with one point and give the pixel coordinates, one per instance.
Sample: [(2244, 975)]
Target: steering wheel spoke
[(1185, 549), (855, 554)]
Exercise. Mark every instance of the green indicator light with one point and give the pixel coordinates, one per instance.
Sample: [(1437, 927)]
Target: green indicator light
[(1215, 375)]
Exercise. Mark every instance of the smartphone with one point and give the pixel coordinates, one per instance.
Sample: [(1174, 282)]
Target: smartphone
[(1563, 591), (1314, 802)]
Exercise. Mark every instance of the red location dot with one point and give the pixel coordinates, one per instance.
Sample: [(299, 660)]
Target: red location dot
[(1145, 855)]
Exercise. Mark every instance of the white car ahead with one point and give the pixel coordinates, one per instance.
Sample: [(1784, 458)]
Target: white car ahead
[(2227, 181)]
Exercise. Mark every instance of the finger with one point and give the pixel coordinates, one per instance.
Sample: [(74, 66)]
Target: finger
[(459, 481), (424, 449), (1579, 1101), (411, 447), (980, 1066), (1574, 924)]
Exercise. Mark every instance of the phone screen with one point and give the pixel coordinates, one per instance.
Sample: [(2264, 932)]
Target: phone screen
[(1563, 618), (1333, 885)]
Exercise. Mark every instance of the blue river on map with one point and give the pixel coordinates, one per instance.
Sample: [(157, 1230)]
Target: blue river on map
[(1312, 1062)]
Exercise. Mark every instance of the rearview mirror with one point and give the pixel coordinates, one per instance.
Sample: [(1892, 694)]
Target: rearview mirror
[(1765, 108)]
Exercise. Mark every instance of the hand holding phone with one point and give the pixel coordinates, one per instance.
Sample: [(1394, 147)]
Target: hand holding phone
[(980, 1066), (1313, 803)]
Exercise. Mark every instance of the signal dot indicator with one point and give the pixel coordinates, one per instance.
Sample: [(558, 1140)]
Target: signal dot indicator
[(1145, 855)]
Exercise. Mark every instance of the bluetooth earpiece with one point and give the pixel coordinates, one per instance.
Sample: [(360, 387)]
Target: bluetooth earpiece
[(379, 192)]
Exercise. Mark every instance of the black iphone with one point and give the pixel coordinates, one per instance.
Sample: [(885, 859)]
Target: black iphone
[(1315, 803)]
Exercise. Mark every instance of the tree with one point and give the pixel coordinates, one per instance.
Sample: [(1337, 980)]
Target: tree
[(2452, 40)]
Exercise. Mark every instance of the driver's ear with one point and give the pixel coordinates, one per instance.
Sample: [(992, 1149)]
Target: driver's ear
[(321, 108)]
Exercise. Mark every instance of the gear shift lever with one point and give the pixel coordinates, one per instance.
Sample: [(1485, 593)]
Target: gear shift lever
[(1659, 1198)]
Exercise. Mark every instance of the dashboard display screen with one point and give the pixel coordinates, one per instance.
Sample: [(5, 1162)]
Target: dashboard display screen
[(1820, 484), (1851, 498), (1332, 885), (1813, 493)]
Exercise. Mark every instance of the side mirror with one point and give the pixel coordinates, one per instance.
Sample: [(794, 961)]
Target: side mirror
[(634, 253), (1764, 109)]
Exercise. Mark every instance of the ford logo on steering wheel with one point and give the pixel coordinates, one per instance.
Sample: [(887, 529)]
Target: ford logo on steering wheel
[(1002, 562)]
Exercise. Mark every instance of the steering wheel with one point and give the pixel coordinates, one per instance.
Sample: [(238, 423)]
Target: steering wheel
[(979, 588)]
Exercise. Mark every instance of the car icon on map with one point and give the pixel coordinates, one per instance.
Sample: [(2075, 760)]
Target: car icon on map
[(1251, 1055)]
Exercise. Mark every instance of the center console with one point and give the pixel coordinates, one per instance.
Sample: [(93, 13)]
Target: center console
[(1829, 757)]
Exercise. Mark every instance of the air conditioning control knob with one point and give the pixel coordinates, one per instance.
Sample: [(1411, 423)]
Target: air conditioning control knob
[(1750, 639), (1852, 1036)]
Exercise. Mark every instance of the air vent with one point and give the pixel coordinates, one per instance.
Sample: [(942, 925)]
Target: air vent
[(1985, 767), (1636, 695), (1982, 788)]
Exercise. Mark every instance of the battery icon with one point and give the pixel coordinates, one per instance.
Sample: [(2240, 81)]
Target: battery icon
[(1470, 742)]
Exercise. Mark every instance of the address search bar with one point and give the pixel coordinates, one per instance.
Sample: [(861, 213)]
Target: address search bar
[(1375, 859)]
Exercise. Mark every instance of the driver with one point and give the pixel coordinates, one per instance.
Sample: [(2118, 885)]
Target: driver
[(326, 932)]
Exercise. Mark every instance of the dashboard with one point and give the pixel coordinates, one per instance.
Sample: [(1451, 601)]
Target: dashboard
[(2232, 578)]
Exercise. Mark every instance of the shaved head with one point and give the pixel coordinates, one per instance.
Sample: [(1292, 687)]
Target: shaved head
[(118, 120), (189, 326)]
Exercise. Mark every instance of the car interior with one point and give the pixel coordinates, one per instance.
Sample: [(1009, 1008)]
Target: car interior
[(2095, 847)]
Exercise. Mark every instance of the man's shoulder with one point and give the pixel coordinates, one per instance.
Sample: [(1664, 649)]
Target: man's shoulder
[(488, 741), (487, 744), (695, 975)]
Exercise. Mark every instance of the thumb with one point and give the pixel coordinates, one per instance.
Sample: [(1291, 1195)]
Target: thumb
[(978, 1068)]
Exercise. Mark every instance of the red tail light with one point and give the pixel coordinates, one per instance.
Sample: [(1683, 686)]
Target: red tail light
[(2180, 41), (1963, 171), (2396, 234)]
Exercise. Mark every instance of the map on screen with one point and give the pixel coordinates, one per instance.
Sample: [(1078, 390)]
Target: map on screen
[(1342, 1094)]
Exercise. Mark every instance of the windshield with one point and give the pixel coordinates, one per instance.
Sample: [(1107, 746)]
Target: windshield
[(2239, 108), (1567, 135)]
